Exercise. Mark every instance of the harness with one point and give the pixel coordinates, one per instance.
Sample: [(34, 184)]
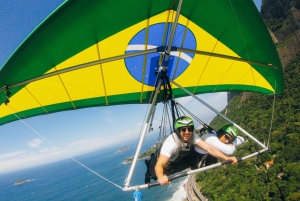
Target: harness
[(175, 163), (182, 150)]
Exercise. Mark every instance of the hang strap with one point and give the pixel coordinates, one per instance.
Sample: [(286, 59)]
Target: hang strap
[(167, 95)]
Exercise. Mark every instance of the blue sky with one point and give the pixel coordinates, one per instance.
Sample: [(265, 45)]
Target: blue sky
[(258, 3), (49, 138)]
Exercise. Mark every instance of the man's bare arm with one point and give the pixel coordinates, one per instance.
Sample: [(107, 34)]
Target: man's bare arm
[(214, 152), (159, 169)]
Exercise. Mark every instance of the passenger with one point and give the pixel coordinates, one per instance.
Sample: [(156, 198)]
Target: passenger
[(176, 155), (225, 140)]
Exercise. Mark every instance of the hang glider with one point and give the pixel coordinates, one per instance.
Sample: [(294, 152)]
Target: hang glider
[(98, 53)]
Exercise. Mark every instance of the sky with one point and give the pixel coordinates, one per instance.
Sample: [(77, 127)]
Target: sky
[(48, 138)]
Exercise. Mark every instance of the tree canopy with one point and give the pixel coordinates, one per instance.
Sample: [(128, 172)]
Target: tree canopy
[(250, 179)]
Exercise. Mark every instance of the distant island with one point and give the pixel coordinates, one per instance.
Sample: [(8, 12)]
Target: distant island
[(143, 155), (19, 182), (123, 149)]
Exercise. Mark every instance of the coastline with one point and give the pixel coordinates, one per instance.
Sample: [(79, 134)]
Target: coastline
[(180, 193), (144, 155), (124, 162)]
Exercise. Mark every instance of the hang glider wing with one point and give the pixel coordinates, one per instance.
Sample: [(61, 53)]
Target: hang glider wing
[(218, 46)]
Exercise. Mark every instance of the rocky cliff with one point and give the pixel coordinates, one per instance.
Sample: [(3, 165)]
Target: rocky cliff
[(283, 20)]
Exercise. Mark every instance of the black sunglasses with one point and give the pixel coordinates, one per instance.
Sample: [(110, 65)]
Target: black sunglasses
[(184, 129), (228, 138)]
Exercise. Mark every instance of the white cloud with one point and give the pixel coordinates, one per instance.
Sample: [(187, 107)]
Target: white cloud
[(20, 159), (108, 116), (185, 100), (218, 101), (8, 155), (34, 143), (26, 160), (87, 145)]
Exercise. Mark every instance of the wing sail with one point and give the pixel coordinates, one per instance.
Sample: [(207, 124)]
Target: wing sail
[(82, 32)]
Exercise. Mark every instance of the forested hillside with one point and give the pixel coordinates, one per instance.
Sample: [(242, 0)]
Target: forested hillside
[(250, 179)]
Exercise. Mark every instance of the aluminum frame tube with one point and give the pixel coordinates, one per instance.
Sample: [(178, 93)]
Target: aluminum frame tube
[(173, 30), (85, 65), (128, 179), (191, 172), (179, 49), (221, 163)]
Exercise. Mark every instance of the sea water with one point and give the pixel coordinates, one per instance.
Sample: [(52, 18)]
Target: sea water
[(67, 180)]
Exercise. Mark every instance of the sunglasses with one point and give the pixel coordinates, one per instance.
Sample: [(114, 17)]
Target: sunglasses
[(228, 138), (184, 129)]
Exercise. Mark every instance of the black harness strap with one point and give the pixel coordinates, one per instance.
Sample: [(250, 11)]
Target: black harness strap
[(205, 128), (168, 95), (173, 107)]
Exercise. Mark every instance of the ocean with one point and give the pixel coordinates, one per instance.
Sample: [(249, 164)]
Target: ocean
[(67, 180)]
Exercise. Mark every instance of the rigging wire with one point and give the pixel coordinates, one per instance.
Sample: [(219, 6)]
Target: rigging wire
[(243, 39), (145, 117), (194, 116), (181, 110), (102, 177), (242, 35), (169, 120), (164, 122), (162, 126), (272, 119)]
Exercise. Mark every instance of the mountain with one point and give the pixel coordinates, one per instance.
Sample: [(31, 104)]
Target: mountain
[(252, 179), (282, 17)]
